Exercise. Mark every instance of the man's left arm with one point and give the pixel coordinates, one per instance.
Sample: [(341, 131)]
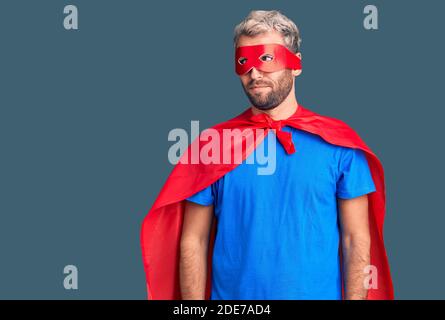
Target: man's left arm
[(356, 242)]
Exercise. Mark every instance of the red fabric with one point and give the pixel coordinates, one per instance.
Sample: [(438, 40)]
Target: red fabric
[(247, 57), (161, 229)]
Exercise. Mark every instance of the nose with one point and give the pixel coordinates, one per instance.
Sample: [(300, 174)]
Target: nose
[(255, 74)]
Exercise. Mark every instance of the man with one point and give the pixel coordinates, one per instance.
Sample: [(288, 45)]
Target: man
[(278, 236)]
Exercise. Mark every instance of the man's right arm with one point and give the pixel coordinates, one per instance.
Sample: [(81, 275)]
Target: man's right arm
[(193, 250)]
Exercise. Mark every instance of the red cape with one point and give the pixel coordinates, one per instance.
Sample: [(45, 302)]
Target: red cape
[(161, 228)]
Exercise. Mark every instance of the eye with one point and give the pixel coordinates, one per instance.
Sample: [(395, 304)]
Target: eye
[(266, 57), (242, 60)]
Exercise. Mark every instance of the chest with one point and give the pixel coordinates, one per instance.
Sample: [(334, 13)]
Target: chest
[(312, 168)]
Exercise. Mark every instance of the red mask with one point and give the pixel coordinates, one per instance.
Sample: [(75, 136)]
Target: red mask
[(265, 57)]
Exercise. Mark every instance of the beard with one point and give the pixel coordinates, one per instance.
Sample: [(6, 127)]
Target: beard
[(276, 94)]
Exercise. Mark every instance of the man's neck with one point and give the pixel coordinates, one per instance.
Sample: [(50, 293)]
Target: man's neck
[(283, 111)]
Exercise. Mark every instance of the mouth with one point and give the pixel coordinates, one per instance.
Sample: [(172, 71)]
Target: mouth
[(259, 88)]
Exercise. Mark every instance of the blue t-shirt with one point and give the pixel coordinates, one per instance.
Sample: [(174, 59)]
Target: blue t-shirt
[(278, 235)]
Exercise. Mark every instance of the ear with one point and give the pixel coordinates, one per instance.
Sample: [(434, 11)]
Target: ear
[(296, 73)]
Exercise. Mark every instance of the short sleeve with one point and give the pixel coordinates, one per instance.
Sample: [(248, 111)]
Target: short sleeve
[(354, 177), (203, 197)]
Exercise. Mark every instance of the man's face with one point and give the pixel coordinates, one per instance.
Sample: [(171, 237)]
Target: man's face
[(266, 90)]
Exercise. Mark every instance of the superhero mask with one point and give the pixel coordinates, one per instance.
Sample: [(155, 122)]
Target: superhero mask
[(265, 57)]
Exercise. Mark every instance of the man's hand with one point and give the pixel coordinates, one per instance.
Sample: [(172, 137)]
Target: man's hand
[(193, 250), (356, 243)]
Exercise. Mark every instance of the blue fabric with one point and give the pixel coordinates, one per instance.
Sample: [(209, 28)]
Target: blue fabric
[(278, 235)]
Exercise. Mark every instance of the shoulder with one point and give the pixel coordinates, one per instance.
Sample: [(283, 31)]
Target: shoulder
[(332, 130), (327, 121)]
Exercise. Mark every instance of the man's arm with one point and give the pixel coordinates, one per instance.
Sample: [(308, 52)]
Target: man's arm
[(356, 243), (193, 250)]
